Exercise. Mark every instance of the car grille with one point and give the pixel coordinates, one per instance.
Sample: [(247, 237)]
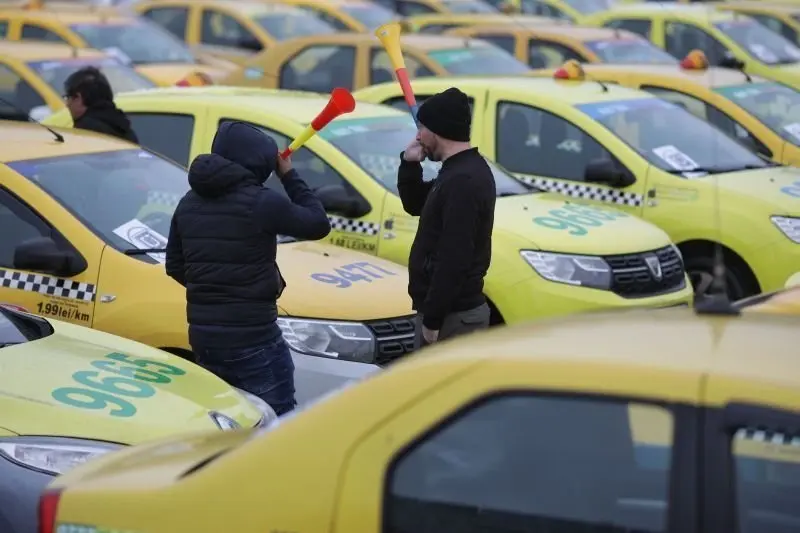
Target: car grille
[(632, 277), (395, 338)]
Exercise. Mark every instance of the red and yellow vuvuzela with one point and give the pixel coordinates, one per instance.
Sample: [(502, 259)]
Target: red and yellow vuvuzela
[(389, 36), (341, 102)]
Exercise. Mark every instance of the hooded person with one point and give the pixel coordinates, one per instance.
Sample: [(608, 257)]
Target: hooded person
[(90, 100), (222, 247)]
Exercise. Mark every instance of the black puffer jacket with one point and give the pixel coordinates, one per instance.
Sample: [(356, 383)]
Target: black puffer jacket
[(106, 118), (223, 237)]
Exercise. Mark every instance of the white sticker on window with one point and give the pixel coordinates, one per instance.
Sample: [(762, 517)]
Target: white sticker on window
[(793, 129), (143, 237), (675, 158)]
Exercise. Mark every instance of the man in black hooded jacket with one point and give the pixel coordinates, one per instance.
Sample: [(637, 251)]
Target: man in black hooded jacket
[(222, 247), (90, 100)]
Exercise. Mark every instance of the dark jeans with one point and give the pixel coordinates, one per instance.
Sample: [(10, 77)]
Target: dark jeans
[(266, 370), (458, 323)]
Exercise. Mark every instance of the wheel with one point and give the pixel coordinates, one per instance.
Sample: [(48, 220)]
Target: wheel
[(739, 281)]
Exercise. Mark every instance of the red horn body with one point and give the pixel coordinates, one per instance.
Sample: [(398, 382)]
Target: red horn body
[(341, 102)]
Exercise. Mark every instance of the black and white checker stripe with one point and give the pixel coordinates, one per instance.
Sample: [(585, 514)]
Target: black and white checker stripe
[(348, 225), (588, 192), (49, 285), (163, 198), (769, 437)]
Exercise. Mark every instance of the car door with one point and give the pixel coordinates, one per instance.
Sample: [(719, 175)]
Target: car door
[(320, 68), (482, 453), (169, 134), (555, 154), (41, 291)]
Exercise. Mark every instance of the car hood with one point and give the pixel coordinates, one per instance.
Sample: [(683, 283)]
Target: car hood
[(49, 386), (553, 223), (778, 187), (317, 285), (168, 74)]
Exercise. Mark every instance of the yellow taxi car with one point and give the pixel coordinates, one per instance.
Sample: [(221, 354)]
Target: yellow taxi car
[(232, 30), (347, 15), (728, 39), (32, 76), (355, 60), (785, 301), (439, 22), (780, 18), (150, 50), (409, 8), (763, 114), (579, 424), (614, 146), (550, 256), (83, 220), (570, 10), (546, 46)]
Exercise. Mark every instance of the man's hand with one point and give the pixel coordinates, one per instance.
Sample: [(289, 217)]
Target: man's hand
[(414, 152), (284, 165), (430, 335)]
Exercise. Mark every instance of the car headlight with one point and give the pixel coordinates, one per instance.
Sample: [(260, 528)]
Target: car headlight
[(789, 226), (268, 414), (52, 455), (580, 270), (350, 341)]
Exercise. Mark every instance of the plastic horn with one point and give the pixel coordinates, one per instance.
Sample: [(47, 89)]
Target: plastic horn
[(389, 36), (341, 102)]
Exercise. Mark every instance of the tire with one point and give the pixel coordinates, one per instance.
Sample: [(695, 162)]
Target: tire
[(739, 281)]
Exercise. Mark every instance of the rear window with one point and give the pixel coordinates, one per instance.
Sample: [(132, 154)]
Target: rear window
[(121, 77), (630, 51)]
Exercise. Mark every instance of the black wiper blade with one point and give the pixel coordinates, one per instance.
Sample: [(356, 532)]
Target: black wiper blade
[(5, 344), (714, 170), (144, 251)]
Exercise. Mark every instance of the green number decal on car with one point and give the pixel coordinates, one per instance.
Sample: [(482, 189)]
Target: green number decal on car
[(575, 218), (108, 392)]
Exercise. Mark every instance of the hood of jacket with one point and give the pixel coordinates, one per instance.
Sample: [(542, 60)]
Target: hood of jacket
[(211, 175), (109, 114), (248, 147)]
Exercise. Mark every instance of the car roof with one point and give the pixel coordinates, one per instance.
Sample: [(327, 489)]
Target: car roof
[(297, 106), (419, 41), (31, 51), (710, 77), (247, 7), (766, 6), (580, 33), (68, 17), (745, 347), (24, 140), (699, 12)]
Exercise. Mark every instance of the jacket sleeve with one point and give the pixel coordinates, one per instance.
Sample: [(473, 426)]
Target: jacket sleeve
[(300, 216), (413, 190), (175, 263), (460, 214)]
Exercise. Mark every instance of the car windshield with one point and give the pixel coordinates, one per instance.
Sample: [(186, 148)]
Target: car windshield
[(774, 104), (18, 328), (630, 51), (479, 60), (672, 138), (126, 197), (370, 15), (590, 6), (760, 42), (375, 144), (122, 78), (140, 42), (284, 25), (469, 6)]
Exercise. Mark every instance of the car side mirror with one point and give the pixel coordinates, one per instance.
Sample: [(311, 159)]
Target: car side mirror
[(250, 43), (729, 61), (338, 201), (42, 254), (608, 173)]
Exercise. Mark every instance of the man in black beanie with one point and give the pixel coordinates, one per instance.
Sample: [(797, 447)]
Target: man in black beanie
[(453, 246)]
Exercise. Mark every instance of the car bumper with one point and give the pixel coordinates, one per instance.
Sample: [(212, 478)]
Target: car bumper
[(536, 298), (317, 376), (19, 497)]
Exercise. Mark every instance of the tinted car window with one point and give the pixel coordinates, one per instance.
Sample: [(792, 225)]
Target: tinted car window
[(288, 25), (121, 77), (167, 134), (172, 19), (760, 42), (774, 104)]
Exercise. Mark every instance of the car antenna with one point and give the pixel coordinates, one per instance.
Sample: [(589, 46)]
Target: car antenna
[(58, 137)]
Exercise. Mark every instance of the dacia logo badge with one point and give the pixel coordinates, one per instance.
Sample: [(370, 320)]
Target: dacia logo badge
[(655, 267)]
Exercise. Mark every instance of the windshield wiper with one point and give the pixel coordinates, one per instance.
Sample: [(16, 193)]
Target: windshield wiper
[(144, 251), (5, 344), (716, 170)]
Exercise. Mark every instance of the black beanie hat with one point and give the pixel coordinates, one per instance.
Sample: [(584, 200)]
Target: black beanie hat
[(447, 114)]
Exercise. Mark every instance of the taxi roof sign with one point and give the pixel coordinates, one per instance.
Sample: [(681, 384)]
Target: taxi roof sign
[(570, 70), (195, 79), (695, 60)]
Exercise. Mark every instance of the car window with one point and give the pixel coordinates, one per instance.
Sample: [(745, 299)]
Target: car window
[(326, 17), (588, 7), (533, 141), (121, 77), (375, 145), (3, 29), (547, 54), (436, 28), (492, 467), (37, 33), (17, 96), (775, 24), (683, 38), (469, 6), (219, 29), (506, 42), (694, 105), (774, 104), (639, 26), (113, 193), (671, 138), (19, 224), (409, 8), (172, 19), (165, 133), (630, 51), (141, 42), (289, 24), (479, 60), (381, 70), (760, 42), (369, 14), (320, 68), (399, 102), (546, 10)]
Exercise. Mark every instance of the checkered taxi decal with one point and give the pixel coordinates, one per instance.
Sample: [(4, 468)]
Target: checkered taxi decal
[(588, 192), (48, 285), (769, 437)]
